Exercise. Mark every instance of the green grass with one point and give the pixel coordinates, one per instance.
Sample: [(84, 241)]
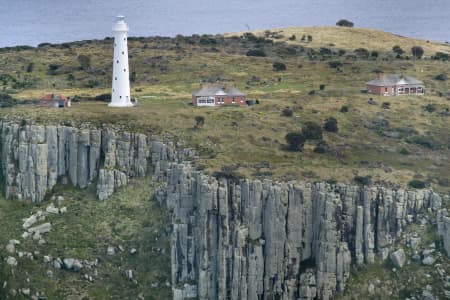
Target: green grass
[(129, 218)]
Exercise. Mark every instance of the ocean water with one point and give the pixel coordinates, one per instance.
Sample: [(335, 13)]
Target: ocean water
[(30, 22)]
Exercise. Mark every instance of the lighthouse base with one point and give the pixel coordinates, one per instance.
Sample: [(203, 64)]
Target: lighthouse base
[(120, 104)]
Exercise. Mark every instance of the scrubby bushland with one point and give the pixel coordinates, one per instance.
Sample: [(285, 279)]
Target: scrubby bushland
[(312, 131), (344, 23), (295, 141), (417, 51), (331, 125)]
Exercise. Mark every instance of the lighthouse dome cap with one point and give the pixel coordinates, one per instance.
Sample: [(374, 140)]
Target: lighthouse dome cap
[(120, 24)]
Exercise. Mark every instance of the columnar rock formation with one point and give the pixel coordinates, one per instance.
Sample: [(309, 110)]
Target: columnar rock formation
[(265, 240), (231, 239), (34, 158)]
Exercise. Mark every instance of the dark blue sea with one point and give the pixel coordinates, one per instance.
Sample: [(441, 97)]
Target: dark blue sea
[(30, 22)]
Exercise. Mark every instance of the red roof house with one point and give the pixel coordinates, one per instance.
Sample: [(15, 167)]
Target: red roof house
[(395, 85), (54, 100), (217, 95)]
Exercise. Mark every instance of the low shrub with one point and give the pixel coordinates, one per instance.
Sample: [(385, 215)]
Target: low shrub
[(344, 109), (416, 184), (256, 52), (312, 131), (334, 64), (441, 77), (295, 141), (331, 125), (441, 56), (398, 50), (363, 180), (429, 108), (287, 112), (344, 23), (279, 66)]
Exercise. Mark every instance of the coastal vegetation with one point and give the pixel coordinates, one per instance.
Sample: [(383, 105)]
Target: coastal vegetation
[(325, 70)]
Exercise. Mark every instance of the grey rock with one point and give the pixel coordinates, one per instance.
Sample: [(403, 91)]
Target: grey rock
[(11, 261), (110, 250), (10, 248), (398, 258), (29, 221), (429, 260), (43, 228), (68, 263)]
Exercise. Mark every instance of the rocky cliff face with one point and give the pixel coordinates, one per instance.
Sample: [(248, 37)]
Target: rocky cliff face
[(265, 240), (249, 239), (34, 158)]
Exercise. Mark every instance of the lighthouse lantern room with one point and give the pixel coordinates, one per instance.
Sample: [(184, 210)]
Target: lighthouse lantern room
[(120, 96)]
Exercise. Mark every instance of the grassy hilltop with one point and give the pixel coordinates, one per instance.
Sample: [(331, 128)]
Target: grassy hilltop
[(410, 140)]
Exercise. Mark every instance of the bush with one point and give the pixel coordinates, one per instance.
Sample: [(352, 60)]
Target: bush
[(322, 87), (441, 56), (362, 52), (312, 92), (344, 23), (287, 112), (398, 50), (416, 184), (256, 52), (312, 131), (344, 109), (417, 51), (386, 105), (199, 121), (310, 38), (295, 141), (279, 66), (103, 97), (30, 67), (334, 64), (325, 51), (292, 38), (363, 180), (321, 147), (6, 100), (441, 77), (84, 61), (429, 108), (331, 125), (374, 54), (404, 151)]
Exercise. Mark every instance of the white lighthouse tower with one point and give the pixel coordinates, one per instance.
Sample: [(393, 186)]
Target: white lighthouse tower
[(121, 79)]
